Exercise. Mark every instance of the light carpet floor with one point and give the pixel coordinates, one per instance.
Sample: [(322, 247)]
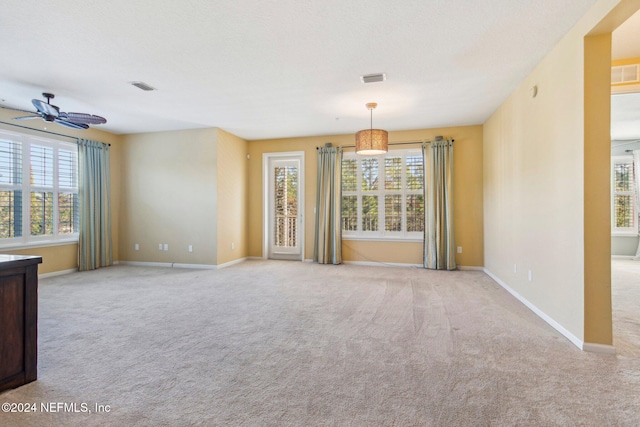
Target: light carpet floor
[(269, 343)]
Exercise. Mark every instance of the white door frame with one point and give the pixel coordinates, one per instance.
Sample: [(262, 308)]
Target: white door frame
[(266, 202)]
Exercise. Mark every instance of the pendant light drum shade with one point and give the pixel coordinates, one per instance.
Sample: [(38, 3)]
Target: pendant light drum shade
[(372, 142)]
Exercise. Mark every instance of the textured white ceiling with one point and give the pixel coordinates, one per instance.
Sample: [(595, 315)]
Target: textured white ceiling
[(276, 68)]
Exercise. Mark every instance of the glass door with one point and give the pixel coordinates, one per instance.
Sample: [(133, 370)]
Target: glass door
[(285, 210)]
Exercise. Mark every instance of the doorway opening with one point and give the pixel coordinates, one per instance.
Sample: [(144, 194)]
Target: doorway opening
[(625, 212), (283, 216)]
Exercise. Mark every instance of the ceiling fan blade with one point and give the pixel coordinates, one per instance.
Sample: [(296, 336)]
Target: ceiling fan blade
[(45, 108), (26, 117), (71, 124), (83, 118)]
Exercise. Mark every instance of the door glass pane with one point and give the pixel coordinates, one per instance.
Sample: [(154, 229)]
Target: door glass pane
[(393, 173), (624, 176), (349, 175), (10, 162), (350, 213), (67, 169), (286, 206), (41, 166), (393, 212), (10, 213), (41, 213), (415, 212), (369, 213), (624, 211), (67, 213), (369, 174), (415, 172)]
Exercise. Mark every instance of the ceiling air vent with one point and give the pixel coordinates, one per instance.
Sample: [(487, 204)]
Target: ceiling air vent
[(143, 86), (625, 74), (373, 78)]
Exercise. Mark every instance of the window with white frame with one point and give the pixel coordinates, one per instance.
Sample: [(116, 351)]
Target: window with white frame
[(624, 216), (382, 196), (38, 190)]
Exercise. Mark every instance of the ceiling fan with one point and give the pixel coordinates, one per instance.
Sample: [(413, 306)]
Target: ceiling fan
[(51, 113)]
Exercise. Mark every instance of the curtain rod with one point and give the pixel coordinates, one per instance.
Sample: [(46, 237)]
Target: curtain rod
[(44, 131), (395, 143)]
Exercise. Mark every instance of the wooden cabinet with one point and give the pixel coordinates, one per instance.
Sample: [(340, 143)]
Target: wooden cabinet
[(18, 320)]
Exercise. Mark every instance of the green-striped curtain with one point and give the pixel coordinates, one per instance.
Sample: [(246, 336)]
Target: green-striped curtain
[(94, 244), (439, 251), (328, 231)]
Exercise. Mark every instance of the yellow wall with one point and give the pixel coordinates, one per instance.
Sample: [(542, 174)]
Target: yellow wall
[(232, 197), (597, 214), (546, 196), (467, 195), (169, 192), (65, 257)]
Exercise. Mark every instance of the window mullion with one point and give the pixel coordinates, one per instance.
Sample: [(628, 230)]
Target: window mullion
[(56, 197), (26, 191), (403, 196), (359, 193), (382, 179)]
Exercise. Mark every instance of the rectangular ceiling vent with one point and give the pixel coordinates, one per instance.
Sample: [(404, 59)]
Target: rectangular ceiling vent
[(143, 86), (625, 74), (373, 78)]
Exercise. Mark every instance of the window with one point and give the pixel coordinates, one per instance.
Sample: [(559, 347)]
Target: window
[(382, 196), (624, 215), (38, 190)]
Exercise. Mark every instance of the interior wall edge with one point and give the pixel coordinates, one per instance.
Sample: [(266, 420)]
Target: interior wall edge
[(551, 321)]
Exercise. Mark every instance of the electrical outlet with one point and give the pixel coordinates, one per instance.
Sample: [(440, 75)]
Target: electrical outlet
[(136, 247), (530, 276), (459, 249), (166, 246), (159, 246), (233, 245), (515, 268), (190, 248)]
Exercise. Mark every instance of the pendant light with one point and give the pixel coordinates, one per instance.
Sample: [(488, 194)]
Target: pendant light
[(370, 142)]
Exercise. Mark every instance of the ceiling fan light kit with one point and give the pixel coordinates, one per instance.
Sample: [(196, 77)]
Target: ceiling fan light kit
[(52, 114)]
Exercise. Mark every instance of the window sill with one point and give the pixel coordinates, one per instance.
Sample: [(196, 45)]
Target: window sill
[(41, 244), (624, 234), (383, 239)]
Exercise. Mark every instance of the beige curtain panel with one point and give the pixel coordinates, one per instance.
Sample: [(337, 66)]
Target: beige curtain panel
[(439, 251), (328, 232), (94, 243)]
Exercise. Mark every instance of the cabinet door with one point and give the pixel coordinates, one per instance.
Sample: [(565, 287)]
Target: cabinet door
[(12, 326)]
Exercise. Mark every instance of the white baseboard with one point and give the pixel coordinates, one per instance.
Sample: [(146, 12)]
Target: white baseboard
[(623, 257), (230, 263), (396, 264), (195, 266), (598, 348), (382, 264), (147, 264), (57, 273), (168, 265), (183, 265), (555, 325)]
